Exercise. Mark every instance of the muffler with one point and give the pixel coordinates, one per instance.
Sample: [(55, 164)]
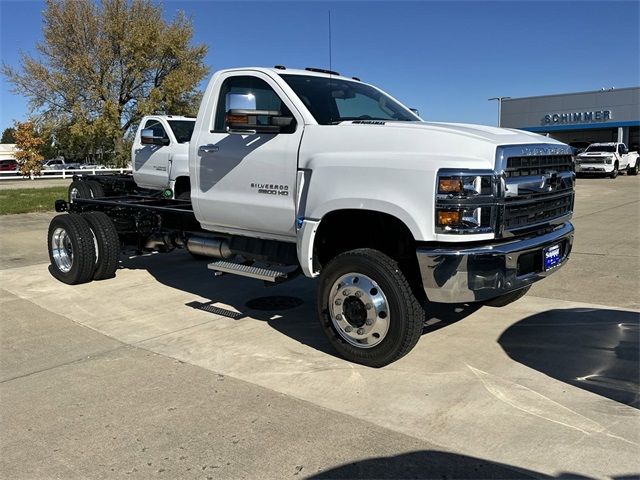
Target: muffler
[(209, 247)]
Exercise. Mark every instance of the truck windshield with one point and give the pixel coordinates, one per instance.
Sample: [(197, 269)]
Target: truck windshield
[(182, 129), (332, 101), (601, 148)]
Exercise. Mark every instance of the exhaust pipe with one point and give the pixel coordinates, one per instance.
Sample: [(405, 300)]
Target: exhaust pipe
[(209, 247)]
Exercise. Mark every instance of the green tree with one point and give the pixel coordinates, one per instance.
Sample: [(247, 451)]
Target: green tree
[(104, 65), (28, 145), (8, 135)]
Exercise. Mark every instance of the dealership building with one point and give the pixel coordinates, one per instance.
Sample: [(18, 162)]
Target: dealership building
[(608, 115)]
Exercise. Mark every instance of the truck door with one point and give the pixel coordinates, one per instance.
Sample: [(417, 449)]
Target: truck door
[(151, 162), (623, 153), (245, 182)]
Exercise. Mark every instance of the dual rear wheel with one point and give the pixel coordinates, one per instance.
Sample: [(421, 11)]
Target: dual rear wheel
[(83, 247), (85, 189)]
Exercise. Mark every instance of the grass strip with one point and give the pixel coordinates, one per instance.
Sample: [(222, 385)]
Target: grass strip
[(27, 200)]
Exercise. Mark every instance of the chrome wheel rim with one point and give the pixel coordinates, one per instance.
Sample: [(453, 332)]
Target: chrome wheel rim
[(73, 194), (359, 310), (62, 250)]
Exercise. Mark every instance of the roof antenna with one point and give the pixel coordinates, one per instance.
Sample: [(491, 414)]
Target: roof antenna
[(330, 66), (330, 70)]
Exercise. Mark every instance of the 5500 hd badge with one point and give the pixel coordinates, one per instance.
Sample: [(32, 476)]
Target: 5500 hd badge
[(271, 188)]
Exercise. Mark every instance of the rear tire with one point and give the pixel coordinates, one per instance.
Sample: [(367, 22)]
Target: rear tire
[(507, 298), (96, 189), (108, 244), (79, 189), (633, 170), (367, 308), (71, 249)]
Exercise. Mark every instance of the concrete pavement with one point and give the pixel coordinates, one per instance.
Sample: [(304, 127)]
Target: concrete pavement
[(106, 378)]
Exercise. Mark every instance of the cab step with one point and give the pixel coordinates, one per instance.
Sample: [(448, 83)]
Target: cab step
[(260, 273)]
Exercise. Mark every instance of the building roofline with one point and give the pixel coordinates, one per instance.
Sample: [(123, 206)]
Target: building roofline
[(608, 90)]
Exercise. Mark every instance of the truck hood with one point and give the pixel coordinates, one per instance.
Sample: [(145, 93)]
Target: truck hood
[(484, 133), (411, 145), (596, 154)]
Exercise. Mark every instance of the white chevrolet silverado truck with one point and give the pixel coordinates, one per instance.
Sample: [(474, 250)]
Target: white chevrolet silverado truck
[(607, 158), (306, 172), (159, 160)]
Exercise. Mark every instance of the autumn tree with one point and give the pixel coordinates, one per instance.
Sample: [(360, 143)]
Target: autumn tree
[(28, 145), (104, 65)]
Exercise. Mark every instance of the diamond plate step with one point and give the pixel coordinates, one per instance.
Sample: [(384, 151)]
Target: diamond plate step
[(266, 274)]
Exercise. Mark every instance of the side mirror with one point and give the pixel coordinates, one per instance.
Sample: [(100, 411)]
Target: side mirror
[(147, 138), (256, 121)]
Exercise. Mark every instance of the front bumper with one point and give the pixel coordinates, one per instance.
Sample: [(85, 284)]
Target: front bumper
[(457, 274), (594, 168)]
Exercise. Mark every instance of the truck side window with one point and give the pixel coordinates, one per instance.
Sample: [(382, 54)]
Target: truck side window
[(265, 98), (158, 129)]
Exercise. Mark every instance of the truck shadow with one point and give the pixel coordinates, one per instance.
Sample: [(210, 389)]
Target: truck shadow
[(228, 296), (437, 464), (593, 349)]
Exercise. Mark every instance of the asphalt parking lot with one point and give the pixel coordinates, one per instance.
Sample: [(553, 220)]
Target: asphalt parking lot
[(165, 372)]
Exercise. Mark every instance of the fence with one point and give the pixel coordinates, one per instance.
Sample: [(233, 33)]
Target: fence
[(68, 173)]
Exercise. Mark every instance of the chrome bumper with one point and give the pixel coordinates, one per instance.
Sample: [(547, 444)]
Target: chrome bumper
[(456, 274)]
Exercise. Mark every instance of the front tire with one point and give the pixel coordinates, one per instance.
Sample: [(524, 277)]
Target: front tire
[(71, 249), (614, 172), (367, 308)]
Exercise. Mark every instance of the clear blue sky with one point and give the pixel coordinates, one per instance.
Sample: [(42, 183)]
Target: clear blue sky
[(444, 58)]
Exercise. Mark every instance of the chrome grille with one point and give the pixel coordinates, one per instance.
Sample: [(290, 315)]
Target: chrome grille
[(527, 213), (593, 160), (538, 165), (538, 186)]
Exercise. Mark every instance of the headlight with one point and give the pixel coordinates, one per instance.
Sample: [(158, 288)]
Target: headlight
[(465, 201), (609, 160), (465, 185)]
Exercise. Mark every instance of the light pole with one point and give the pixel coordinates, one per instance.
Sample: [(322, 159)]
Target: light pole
[(499, 99)]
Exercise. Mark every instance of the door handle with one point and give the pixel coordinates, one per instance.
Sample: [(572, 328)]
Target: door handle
[(208, 148)]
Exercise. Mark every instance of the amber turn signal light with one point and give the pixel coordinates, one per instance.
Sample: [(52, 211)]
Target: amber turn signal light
[(449, 185), (448, 218), (237, 119)]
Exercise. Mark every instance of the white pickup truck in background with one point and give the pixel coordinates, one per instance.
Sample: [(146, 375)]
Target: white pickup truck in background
[(159, 160), (607, 158), (163, 164)]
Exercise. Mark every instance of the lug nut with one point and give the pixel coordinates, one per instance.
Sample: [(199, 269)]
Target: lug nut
[(368, 306), (369, 322), (360, 331), (338, 302), (339, 316), (347, 329), (346, 293), (358, 294)]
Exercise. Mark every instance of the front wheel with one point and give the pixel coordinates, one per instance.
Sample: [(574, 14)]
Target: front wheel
[(367, 308), (614, 172)]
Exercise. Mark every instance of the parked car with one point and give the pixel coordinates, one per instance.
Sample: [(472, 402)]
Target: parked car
[(9, 165), (58, 164)]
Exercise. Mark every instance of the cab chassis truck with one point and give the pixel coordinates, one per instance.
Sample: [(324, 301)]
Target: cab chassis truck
[(309, 172)]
